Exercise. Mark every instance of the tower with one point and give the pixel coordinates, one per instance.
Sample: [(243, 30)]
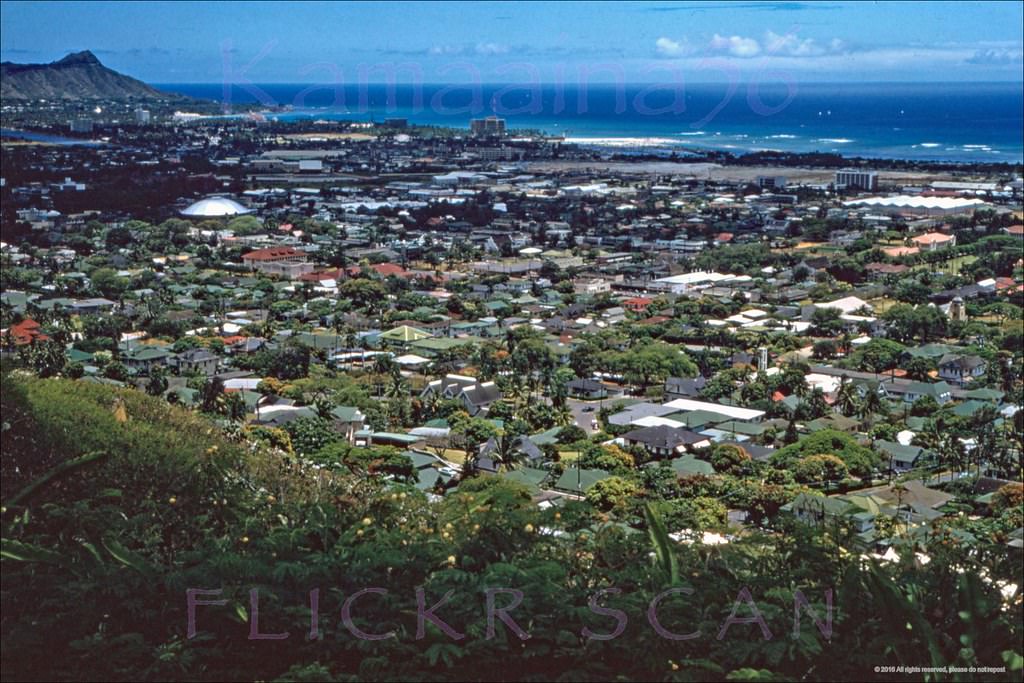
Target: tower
[(957, 311)]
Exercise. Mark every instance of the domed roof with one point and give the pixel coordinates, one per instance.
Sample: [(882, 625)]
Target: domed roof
[(215, 206)]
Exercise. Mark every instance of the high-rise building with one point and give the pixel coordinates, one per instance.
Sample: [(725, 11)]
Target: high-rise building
[(865, 180), (491, 126), (142, 116), (771, 182), (80, 125)]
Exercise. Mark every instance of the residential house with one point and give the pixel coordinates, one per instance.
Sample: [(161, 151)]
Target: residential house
[(901, 457), (522, 447), (591, 389), (476, 396), (92, 306), (960, 370), (637, 411), (663, 441), (28, 331), (347, 420), (911, 391), (685, 466), (684, 387), (637, 304), (144, 359), (193, 361), (403, 335), (591, 286), (826, 511), (878, 270)]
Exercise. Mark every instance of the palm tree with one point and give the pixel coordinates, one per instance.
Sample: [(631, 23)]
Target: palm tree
[(982, 425), (563, 416), (844, 343), (516, 392), (847, 397), (871, 404), (505, 453), (951, 452), (398, 387), (323, 404), (900, 490), (383, 364)]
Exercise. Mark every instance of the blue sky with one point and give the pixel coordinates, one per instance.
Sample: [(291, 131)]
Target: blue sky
[(701, 41)]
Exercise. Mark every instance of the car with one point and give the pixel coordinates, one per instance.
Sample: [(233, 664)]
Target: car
[(588, 409)]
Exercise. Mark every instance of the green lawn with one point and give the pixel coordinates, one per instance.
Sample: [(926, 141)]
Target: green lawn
[(951, 267), (883, 304), (453, 455), (568, 456)]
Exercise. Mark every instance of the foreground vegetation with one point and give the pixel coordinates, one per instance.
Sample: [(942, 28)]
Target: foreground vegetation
[(117, 503)]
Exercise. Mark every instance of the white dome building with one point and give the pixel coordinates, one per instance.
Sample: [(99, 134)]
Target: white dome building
[(215, 207)]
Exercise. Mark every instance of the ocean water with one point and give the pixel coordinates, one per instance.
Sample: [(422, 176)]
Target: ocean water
[(962, 122), (51, 139)]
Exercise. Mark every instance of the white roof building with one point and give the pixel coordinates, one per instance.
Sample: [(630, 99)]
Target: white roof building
[(736, 413), (930, 206), (215, 207), (847, 305)]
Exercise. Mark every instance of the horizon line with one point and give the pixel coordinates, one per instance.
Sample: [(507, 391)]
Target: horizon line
[(662, 84)]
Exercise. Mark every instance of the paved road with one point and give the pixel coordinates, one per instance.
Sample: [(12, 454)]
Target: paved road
[(584, 417)]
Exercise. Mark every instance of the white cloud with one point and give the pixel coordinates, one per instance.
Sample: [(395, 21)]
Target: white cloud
[(445, 50), (997, 56), (666, 47), (774, 45), (831, 57), (479, 49), (790, 45), (491, 49), (737, 46)]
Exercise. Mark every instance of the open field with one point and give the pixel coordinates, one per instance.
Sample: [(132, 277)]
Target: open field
[(707, 171), (330, 136), (950, 267), (812, 249)]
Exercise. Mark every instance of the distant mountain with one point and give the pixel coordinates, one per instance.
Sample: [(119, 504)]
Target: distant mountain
[(79, 76)]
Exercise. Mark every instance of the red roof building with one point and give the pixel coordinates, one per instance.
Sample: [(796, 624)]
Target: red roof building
[(336, 274), (273, 254), (386, 269), (1004, 283), (28, 331), (934, 240), (637, 304)]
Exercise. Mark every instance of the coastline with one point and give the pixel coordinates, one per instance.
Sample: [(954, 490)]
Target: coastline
[(944, 123)]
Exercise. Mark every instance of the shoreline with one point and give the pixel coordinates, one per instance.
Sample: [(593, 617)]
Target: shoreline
[(653, 144)]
